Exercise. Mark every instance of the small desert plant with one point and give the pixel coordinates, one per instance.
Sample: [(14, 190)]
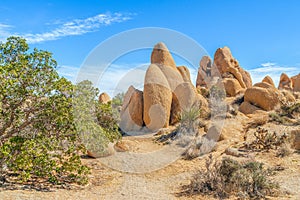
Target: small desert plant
[(190, 117), (229, 177), (266, 140)]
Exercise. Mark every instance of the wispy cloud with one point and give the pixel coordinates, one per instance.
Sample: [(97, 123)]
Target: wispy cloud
[(73, 27), (273, 70), (4, 31)]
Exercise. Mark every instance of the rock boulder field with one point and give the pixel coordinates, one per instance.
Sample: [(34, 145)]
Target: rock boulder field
[(168, 90)]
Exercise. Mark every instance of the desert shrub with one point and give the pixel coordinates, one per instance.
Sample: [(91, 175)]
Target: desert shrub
[(266, 140), (107, 119), (287, 114), (189, 118), (247, 180), (187, 128), (94, 121), (38, 137)]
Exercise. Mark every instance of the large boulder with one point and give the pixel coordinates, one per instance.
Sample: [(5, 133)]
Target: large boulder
[(185, 73), (285, 82), (187, 97), (132, 110), (172, 75), (226, 63), (248, 108), (104, 98), (157, 99), (268, 80), (161, 56), (263, 95), (232, 87)]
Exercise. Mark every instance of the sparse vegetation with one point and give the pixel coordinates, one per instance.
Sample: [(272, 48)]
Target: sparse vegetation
[(287, 114), (265, 140), (248, 180)]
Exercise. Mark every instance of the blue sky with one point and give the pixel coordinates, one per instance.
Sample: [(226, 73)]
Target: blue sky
[(262, 34)]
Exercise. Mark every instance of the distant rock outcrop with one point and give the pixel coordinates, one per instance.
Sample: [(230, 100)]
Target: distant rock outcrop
[(285, 82), (225, 66), (104, 98), (268, 80), (204, 72), (228, 65)]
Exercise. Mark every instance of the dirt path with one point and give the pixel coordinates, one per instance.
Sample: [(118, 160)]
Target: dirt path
[(160, 171)]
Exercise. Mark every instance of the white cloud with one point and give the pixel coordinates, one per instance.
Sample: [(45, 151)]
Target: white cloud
[(268, 64), (4, 31), (74, 27), (273, 70)]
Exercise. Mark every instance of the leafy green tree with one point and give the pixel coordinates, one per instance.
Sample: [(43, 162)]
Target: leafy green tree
[(38, 136), (118, 99)]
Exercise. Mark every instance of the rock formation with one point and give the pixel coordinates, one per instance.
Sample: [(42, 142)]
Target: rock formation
[(157, 98), (132, 110), (285, 82), (268, 80), (228, 65), (235, 79), (161, 55), (185, 73), (204, 72), (261, 95), (168, 91)]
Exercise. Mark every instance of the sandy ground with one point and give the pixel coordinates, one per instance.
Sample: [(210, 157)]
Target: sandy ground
[(165, 182)]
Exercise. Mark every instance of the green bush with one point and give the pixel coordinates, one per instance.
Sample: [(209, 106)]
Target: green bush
[(38, 137), (94, 121)]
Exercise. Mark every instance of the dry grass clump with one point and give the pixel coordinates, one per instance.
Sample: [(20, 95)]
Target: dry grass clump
[(228, 177)]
